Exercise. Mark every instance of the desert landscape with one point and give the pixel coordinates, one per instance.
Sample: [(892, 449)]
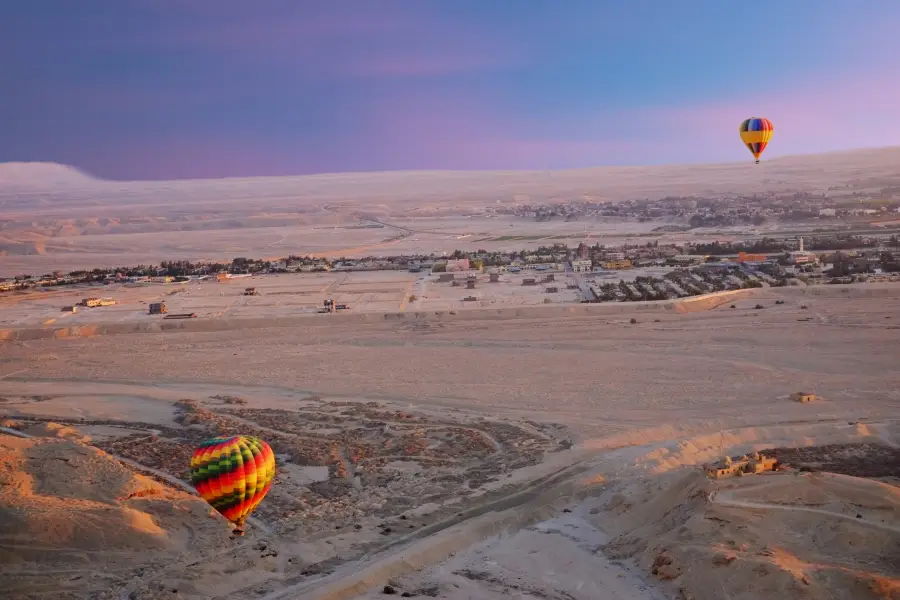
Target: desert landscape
[(458, 454), (57, 218), (280, 296), (491, 435)]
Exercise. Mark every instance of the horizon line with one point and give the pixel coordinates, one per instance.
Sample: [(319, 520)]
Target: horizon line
[(95, 178)]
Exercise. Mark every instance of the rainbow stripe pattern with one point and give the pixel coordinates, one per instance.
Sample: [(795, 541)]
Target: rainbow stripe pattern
[(233, 474), (756, 132)]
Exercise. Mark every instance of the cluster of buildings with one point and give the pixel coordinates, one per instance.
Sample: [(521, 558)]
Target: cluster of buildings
[(741, 465), (827, 258), (685, 282), (724, 211)]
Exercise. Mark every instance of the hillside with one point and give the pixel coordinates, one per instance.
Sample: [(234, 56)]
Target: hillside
[(41, 175), (76, 523), (802, 535)]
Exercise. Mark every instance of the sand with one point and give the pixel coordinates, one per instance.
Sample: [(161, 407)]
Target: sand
[(681, 535), (457, 446), (285, 295), (601, 375), (621, 524), (75, 522)]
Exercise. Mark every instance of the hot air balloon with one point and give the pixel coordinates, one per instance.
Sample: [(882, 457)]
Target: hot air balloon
[(233, 474), (756, 133)]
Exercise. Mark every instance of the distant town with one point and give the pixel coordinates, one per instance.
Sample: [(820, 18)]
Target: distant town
[(602, 274), (833, 210)]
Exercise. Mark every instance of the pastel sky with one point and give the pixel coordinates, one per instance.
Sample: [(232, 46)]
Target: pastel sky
[(158, 89)]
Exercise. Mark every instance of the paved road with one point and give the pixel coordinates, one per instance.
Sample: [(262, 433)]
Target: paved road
[(586, 292)]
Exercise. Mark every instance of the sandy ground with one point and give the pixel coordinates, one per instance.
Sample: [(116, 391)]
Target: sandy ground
[(72, 519), (709, 370), (68, 251), (555, 559), (280, 295), (684, 536), (629, 525), (642, 405), (506, 234)]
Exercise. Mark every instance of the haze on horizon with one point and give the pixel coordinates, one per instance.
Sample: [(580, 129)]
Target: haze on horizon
[(136, 90)]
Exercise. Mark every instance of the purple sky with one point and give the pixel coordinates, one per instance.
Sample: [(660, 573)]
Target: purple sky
[(155, 89)]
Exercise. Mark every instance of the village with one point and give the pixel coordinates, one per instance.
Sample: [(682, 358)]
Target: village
[(836, 207), (824, 259), (553, 275)]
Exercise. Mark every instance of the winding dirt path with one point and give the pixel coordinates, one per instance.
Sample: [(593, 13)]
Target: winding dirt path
[(725, 498)]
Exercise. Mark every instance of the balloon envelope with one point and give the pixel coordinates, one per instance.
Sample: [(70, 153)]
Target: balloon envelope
[(233, 474), (756, 133)]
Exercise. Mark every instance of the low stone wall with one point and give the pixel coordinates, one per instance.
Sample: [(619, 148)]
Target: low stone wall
[(711, 301), (861, 290)]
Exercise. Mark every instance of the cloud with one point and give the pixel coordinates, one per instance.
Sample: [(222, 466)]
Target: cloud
[(429, 127), (446, 127), (346, 39), (263, 34), (431, 62), (432, 129), (816, 115)]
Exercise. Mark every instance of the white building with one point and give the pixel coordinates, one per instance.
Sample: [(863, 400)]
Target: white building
[(801, 257), (688, 259), (582, 266)]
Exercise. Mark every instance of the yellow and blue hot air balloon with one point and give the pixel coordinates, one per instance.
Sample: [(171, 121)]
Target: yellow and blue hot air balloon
[(756, 133), (233, 474)]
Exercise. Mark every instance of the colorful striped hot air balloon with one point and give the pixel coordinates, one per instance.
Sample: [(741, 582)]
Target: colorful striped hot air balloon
[(233, 474), (756, 133)]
